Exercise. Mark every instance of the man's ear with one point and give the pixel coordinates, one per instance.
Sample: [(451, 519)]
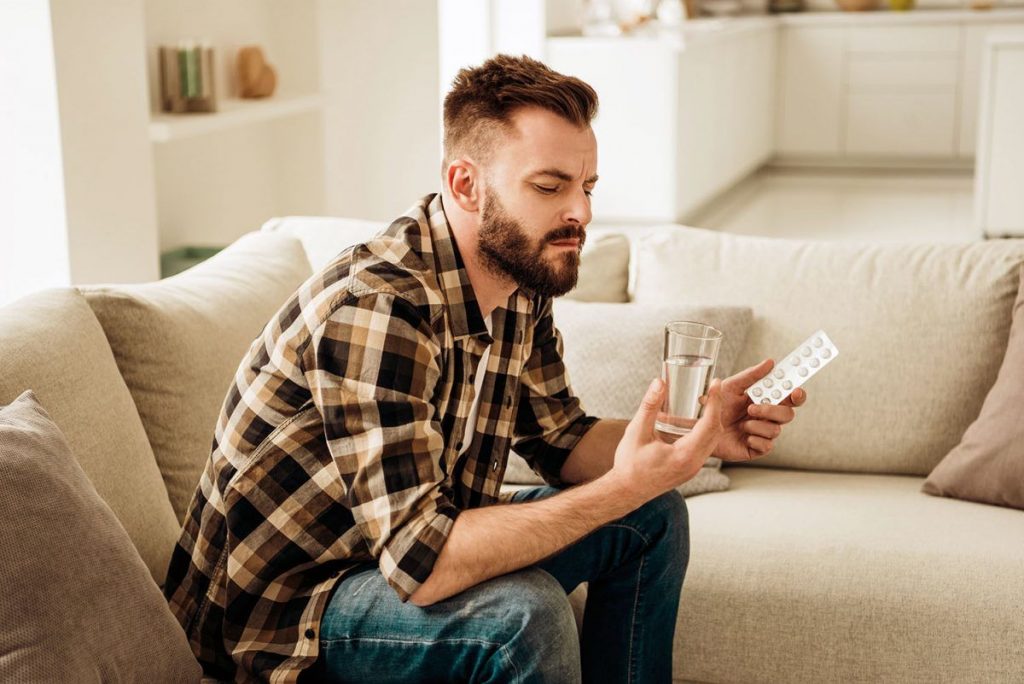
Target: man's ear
[(465, 184)]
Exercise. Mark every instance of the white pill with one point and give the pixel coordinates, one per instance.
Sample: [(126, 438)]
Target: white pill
[(795, 360), (758, 391), (818, 342), (806, 351), (802, 372), (768, 382), (825, 353), (786, 384), (766, 401), (815, 363), (776, 394), (779, 373)]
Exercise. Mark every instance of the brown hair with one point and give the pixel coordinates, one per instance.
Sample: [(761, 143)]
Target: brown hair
[(483, 99)]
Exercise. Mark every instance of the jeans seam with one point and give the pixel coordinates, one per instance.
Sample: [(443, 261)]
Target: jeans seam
[(502, 648), (632, 622)]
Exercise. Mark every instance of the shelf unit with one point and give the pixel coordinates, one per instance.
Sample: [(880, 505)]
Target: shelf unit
[(231, 113), (221, 174)]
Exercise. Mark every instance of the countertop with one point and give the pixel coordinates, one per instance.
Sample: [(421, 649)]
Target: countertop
[(712, 28)]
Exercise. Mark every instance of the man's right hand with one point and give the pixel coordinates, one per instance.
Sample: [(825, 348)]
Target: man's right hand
[(648, 466)]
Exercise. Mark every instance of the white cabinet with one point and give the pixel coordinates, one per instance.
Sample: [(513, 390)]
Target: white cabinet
[(681, 117), (864, 90), (901, 91), (810, 90), (970, 86), (999, 202)]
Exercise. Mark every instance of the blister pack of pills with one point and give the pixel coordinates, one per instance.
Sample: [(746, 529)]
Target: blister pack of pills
[(794, 369)]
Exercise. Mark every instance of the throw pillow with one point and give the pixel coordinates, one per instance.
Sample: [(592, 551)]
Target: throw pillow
[(611, 383), (178, 342), (987, 465), (78, 602), (604, 269)]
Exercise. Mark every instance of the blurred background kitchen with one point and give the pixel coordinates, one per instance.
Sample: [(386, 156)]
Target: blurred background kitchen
[(828, 119)]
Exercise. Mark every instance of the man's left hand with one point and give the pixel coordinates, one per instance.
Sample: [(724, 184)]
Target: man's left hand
[(751, 429)]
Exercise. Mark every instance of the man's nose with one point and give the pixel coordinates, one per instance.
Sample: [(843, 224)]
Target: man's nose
[(578, 211)]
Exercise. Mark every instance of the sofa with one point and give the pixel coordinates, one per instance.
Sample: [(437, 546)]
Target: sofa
[(821, 562)]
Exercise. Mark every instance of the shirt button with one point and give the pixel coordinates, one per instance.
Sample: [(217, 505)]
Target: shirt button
[(494, 466), (310, 634)]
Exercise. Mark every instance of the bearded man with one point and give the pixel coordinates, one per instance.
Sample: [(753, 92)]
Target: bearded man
[(349, 524)]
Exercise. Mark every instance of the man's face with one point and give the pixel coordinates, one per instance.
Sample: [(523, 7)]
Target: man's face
[(537, 202)]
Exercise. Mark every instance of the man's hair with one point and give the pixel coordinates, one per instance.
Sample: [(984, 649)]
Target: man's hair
[(482, 100)]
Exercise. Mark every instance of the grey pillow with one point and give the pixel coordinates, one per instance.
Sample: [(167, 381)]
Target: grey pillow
[(613, 351), (78, 602)]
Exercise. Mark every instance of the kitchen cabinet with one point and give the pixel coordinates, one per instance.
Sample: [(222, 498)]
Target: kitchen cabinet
[(682, 116)]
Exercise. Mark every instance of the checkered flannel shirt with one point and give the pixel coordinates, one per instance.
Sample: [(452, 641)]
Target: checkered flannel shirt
[(339, 443)]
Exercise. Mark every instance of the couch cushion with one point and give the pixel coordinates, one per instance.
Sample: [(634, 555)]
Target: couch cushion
[(78, 602), (52, 344), (921, 329), (324, 237), (829, 577), (179, 341)]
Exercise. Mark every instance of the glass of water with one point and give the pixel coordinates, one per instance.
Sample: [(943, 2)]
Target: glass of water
[(691, 352)]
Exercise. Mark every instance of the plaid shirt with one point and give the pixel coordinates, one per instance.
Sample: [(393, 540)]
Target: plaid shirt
[(339, 442)]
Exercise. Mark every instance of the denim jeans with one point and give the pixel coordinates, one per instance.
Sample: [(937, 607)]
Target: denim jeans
[(520, 627)]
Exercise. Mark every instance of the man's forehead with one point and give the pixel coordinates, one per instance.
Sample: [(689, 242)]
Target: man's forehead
[(547, 144)]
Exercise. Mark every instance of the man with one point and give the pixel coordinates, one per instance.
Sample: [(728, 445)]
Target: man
[(348, 526)]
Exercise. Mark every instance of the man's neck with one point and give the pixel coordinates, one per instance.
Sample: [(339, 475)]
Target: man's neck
[(491, 291)]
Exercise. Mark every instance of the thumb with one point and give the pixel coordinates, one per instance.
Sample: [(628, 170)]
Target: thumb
[(641, 427)]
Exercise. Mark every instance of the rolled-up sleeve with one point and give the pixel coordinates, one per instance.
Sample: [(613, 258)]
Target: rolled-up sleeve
[(549, 420), (373, 367)]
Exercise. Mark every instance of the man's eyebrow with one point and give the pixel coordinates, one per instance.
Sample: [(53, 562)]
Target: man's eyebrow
[(561, 175)]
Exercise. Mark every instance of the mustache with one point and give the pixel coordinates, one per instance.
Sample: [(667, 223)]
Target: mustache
[(567, 233)]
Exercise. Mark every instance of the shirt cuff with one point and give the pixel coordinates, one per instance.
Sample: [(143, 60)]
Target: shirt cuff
[(409, 555), (549, 456)]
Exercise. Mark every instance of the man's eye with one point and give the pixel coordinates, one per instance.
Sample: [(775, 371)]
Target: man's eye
[(545, 189)]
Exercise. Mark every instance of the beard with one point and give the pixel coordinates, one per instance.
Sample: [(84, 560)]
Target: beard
[(506, 250)]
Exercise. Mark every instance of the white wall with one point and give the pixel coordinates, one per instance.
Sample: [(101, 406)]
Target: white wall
[(380, 76), (76, 184), (108, 171), (32, 233)]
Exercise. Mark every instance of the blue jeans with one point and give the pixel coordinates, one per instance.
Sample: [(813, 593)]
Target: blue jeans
[(520, 627)]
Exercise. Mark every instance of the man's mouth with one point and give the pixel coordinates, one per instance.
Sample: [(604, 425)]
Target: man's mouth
[(568, 242)]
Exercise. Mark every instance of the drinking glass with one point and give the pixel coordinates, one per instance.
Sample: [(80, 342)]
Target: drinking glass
[(691, 352)]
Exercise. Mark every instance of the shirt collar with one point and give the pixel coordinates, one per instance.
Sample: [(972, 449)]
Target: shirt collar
[(464, 310)]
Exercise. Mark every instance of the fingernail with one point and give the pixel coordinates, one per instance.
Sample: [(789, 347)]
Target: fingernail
[(655, 386)]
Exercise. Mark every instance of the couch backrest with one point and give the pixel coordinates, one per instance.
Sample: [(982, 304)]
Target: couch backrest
[(179, 341), (921, 331), (51, 342)]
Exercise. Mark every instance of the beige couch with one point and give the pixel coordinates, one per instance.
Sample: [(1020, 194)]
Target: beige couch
[(827, 565)]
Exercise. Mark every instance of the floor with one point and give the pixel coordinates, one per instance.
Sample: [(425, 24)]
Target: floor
[(828, 204)]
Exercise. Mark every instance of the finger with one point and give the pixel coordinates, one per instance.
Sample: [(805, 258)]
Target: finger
[(705, 433), (761, 428), (745, 378), (641, 427), (797, 398), (760, 444), (781, 414)]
